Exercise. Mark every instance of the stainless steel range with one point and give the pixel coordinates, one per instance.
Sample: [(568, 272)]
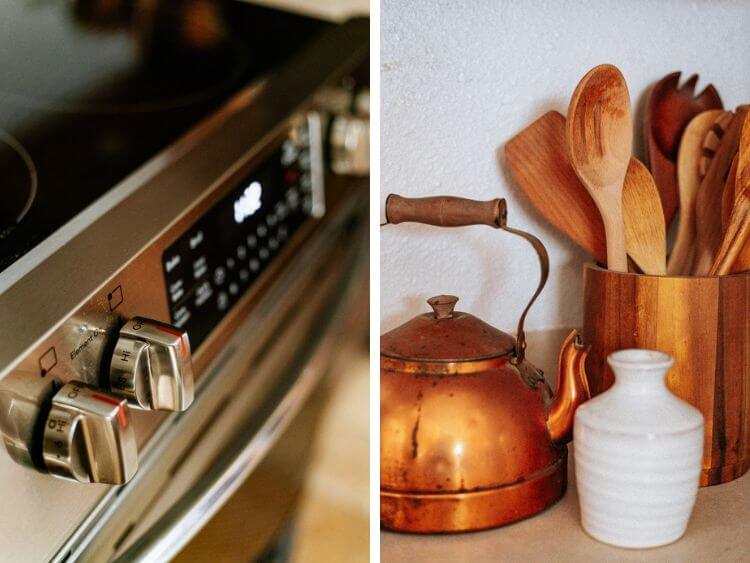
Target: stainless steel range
[(182, 220)]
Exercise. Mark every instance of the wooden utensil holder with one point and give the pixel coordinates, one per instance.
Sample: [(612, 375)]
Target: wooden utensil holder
[(704, 322)]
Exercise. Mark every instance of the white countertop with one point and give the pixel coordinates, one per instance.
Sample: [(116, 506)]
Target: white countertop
[(719, 530)]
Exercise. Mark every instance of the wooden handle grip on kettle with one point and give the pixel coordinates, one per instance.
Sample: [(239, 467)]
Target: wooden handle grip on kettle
[(444, 211), (450, 211)]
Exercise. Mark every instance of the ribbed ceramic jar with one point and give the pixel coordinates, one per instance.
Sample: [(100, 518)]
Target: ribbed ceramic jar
[(638, 451)]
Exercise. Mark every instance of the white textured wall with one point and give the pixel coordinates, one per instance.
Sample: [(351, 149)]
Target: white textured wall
[(460, 78)]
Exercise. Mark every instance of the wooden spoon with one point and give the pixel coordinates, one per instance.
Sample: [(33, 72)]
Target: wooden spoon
[(688, 180), (669, 109), (708, 231), (538, 160), (643, 217), (600, 139), (738, 230)]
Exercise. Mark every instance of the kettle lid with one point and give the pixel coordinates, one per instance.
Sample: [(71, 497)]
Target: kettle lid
[(445, 335)]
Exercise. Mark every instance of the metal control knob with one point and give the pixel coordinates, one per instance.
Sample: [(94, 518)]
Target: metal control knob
[(88, 436), (151, 366), (350, 145), (350, 140)]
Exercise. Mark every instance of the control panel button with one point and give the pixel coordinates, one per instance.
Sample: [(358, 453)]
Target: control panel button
[(88, 436), (151, 366)]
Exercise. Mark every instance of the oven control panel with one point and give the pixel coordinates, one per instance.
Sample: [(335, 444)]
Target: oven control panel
[(208, 269), (82, 431)]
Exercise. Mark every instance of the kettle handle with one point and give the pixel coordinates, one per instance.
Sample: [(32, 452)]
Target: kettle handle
[(450, 211)]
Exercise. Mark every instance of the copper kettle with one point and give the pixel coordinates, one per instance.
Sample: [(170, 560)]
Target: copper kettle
[(471, 435)]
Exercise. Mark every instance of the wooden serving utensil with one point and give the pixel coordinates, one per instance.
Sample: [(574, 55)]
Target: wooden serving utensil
[(708, 231), (728, 197), (538, 160), (668, 111), (738, 230), (713, 140), (645, 231), (688, 181), (600, 139)]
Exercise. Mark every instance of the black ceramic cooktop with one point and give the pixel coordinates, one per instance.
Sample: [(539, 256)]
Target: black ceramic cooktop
[(90, 90)]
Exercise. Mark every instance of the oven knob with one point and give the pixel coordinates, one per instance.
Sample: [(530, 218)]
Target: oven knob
[(350, 138), (151, 366), (88, 436)]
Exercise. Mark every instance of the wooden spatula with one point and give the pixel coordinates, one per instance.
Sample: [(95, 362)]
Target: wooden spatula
[(538, 160), (645, 232), (708, 229)]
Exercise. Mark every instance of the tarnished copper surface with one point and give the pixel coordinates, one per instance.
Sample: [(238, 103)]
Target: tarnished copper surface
[(476, 510), (471, 436), (459, 336), (481, 437)]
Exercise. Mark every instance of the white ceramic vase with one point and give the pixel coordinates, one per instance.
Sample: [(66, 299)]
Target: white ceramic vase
[(638, 451)]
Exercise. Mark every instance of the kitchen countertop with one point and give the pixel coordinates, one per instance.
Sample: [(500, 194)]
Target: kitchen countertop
[(719, 530)]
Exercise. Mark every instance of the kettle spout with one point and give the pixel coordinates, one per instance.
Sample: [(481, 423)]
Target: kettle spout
[(572, 388)]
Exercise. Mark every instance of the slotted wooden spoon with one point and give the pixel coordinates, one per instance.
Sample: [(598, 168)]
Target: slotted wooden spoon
[(688, 181), (713, 140), (600, 139)]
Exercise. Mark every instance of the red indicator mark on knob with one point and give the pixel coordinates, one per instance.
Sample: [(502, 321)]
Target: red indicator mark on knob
[(115, 403), (173, 333)]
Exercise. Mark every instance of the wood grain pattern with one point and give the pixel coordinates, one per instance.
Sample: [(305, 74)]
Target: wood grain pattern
[(708, 200), (645, 232), (742, 190), (738, 232), (538, 160), (704, 322), (600, 140), (443, 211), (712, 141), (688, 180), (727, 198), (669, 109)]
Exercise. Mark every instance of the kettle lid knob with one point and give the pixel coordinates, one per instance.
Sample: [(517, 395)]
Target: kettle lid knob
[(443, 305)]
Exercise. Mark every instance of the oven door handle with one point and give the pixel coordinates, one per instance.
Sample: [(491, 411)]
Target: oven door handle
[(185, 518)]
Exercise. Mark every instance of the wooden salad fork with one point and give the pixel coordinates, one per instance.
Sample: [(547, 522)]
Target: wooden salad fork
[(669, 109)]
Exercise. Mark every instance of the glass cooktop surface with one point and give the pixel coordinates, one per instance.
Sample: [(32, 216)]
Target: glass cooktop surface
[(91, 89)]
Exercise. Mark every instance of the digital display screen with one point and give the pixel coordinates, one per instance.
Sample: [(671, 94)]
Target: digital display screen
[(209, 268)]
